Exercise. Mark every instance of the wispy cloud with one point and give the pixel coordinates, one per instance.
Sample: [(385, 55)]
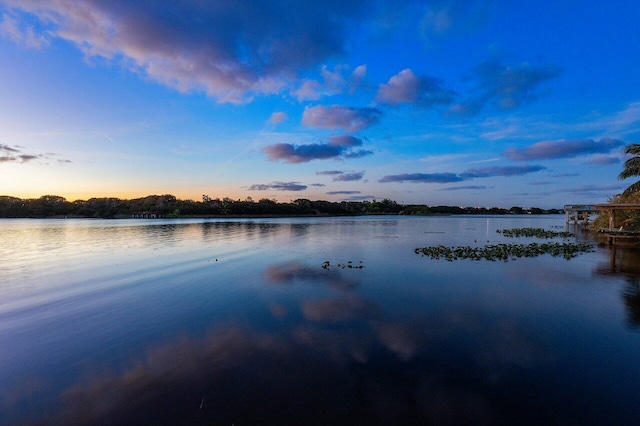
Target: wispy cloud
[(7, 148), (452, 16), (484, 172), (504, 86), (348, 177), (460, 188), (617, 124), (554, 149), (349, 119), (278, 186), (15, 154), (423, 178), (474, 173), (333, 83), (329, 173), (603, 160), (21, 34), (361, 197), (566, 175), (341, 176), (343, 192), (596, 190)]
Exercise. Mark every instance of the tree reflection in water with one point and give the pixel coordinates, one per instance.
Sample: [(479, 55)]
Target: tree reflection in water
[(626, 262)]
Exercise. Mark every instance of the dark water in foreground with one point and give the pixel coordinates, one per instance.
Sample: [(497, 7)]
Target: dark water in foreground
[(236, 322)]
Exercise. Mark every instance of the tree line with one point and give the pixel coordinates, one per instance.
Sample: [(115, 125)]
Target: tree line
[(171, 207)]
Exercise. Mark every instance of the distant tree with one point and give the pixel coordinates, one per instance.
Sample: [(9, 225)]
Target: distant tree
[(49, 205), (12, 207), (631, 167)]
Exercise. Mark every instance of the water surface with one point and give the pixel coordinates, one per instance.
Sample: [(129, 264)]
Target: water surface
[(236, 321)]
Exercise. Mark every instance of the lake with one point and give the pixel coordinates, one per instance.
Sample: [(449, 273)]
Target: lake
[(237, 322)]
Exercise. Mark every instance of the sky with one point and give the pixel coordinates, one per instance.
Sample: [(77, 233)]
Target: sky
[(444, 102)]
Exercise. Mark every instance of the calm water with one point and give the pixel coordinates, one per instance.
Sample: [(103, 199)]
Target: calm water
[(223, 322)]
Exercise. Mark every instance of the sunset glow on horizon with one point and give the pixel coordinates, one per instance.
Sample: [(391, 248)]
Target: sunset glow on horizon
[(445, 102)]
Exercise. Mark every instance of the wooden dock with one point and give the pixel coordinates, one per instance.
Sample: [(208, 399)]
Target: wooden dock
[(618, 235), (626, 238)]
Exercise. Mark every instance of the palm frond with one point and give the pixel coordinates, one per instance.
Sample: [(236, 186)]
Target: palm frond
[(632, 149), (634, 187), (631, 168)]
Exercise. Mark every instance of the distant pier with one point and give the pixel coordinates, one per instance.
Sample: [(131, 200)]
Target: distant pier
[(148, 215), (579, 213)]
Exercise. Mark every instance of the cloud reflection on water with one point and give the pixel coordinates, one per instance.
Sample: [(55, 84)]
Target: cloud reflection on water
[(344, 360)]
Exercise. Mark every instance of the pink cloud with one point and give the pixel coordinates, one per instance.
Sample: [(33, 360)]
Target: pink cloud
[(278, 117), (406, 87), (341, 117)]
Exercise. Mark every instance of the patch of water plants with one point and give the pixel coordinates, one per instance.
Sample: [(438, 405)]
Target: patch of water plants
[(505, 252), (533, 232), (350, 264)]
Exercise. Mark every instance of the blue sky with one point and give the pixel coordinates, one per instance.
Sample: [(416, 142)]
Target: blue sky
[(475, 103)]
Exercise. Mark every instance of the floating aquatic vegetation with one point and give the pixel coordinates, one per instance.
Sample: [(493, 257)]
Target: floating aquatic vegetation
[(533, 232), (350, 264), (505, 252)]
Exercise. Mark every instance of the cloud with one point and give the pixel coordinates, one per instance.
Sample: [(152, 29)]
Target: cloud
[(278, 117), (423, 178), (595, 190), (361, 197), (450, 16), (22, 35), (504, 86), (9, 154), (406, 87), (337, 309), (293, 272), (484, 172), (566, 175), (622, 123), (309, 90), (358, 154), (290, 153), (345, 140), (591, 188), (343, 192), (232, 50), (603, 160), (278, 186), (554, 149), (329, 173), (346, 118), (357, 77), (459, 188), (474, 173), (337, 147), (25, 158), (348, 177), (333, 83), (7, 148)]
